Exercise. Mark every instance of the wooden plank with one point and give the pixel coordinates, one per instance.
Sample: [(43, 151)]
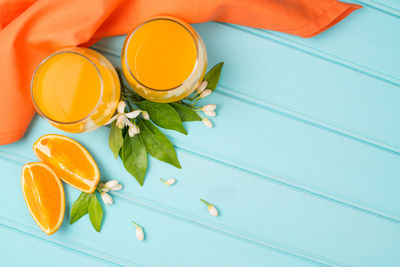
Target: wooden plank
[(256, 214), (293, 150), (309, 175)]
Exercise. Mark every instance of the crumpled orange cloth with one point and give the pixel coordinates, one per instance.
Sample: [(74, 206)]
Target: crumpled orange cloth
[(30, 30)]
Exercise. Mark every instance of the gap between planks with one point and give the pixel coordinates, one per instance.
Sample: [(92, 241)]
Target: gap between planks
[(241, 235), (76, 247)]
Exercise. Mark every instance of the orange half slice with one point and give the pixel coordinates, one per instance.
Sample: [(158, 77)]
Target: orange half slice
[(69, 160), (44, 195)]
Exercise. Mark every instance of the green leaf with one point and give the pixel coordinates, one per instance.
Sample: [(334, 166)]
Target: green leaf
[(115, 139), (212, 76), (163, 115), (95, 213), (80, 207), (157, 144), (185, 113), (134, 157)]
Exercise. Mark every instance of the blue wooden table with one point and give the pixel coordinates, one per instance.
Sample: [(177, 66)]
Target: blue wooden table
[(303, 162)]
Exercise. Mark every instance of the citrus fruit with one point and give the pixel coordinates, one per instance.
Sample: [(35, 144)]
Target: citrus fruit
[(70, 161), (44, 195)]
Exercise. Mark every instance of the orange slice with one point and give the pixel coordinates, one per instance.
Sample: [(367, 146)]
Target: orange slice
[(69, 160), (44, 196)]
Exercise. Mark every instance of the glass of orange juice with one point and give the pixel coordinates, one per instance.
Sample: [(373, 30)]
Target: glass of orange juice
[(76, 89), (164, 59)]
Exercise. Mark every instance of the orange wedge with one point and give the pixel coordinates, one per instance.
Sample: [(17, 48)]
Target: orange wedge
[(44, 196), (69, 160)]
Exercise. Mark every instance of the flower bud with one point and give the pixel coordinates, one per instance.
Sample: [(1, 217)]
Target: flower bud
[(213, 210), (133, 129), (210, 113), (202, 86), (169, 182), (145, 115), (209, 107), (139, 233), (105, 189), (131, 133), (133, 114), (207, 123), (121, 107), (107, 199), (111, 183), (116, 188), (205, 93)]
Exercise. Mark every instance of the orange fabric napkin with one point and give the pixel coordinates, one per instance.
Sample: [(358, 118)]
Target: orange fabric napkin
[(30, 30)]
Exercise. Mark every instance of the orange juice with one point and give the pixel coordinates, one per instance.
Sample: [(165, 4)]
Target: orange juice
[(76, 89), (164, 59)]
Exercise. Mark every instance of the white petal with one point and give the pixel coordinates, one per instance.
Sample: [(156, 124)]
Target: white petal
[(112, 119), (139, 233), (131, 132), (207, 123), (105, 189), (145, 115), (213, 210), (107, 199), (205, 93), (133, 114), (121, 107), (136, 129), (209, 107), (116, 188), (202, 86), (111, 183), (170, 181), (210, 113)]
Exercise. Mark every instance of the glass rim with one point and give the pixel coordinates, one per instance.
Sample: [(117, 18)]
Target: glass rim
[(175, 20), (66, 51)]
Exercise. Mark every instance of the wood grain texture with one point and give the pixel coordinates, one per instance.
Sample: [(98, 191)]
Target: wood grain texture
[(303, 161)]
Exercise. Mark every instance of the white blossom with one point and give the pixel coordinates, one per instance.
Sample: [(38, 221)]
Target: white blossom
[(210, 113), (207, 123), (202, 86), (116, 188), (133, 129), (122, 119), (111, 183), (145, 115), (105, 189), (107, 199), (205, 93), (209, 107), (169, 182), (139, 232), (211, 208)]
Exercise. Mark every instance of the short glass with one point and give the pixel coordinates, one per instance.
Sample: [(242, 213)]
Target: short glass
[(76, 89), (164, 59)]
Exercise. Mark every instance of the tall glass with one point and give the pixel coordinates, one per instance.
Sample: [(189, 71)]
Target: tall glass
[(76, 89), (164, 59)]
